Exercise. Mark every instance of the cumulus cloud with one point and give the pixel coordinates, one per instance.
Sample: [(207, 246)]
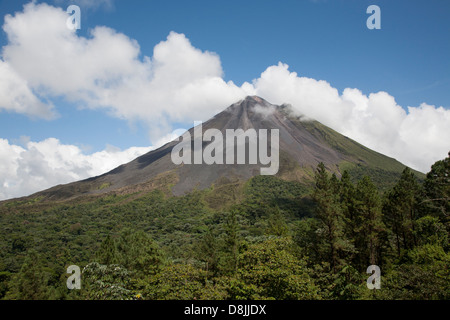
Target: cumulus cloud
[(16, 96), (179, 83), (416, 138), (40, 165)]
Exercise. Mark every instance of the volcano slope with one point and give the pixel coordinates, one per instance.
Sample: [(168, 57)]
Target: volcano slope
[(303, 143)]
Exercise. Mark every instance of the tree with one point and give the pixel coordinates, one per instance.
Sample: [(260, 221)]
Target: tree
[(183, 282), (231, 243), (425, 275), (309, 240), (369, 221), (347, 192), (271, 270), (5, 277), (436, 187), (430, 230), (277, 223), (207, 252), (138, 252), (107, 282), (107, 254), (35, 281), (348, 284), (400, 210), (328, 211)]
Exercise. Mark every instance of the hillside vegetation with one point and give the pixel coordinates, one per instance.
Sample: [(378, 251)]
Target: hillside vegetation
[(267, 238)]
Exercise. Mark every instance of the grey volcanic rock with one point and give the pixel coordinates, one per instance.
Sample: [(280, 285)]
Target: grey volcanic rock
[(302, 142)]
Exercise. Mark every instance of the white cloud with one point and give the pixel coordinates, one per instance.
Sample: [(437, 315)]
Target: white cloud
[(16, 96), (43, 59), (264, 111), (416, 138), (41, 165), (105, 70)]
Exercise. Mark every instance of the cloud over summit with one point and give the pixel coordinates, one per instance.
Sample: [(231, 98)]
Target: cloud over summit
[(416, 138)]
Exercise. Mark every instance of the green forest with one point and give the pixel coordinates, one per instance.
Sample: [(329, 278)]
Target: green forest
[(266, 238)]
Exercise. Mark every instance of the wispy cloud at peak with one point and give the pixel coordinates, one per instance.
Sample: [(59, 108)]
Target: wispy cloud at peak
[(265, 111)]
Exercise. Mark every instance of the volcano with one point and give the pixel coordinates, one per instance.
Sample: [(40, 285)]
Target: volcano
[(303, 144)]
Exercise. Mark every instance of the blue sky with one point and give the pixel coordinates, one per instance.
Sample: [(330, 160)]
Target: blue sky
[(408, 58)]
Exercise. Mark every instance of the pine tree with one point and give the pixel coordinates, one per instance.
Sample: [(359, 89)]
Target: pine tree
[(208, 252), (348, 206), (277, 223), (334, 184), (328, 211), (138, 252), (231, 243), (436, 188), (400, 210), (369, 218)]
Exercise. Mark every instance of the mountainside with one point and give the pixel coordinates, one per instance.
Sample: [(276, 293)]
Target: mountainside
[(303, 144), (238, 234)]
